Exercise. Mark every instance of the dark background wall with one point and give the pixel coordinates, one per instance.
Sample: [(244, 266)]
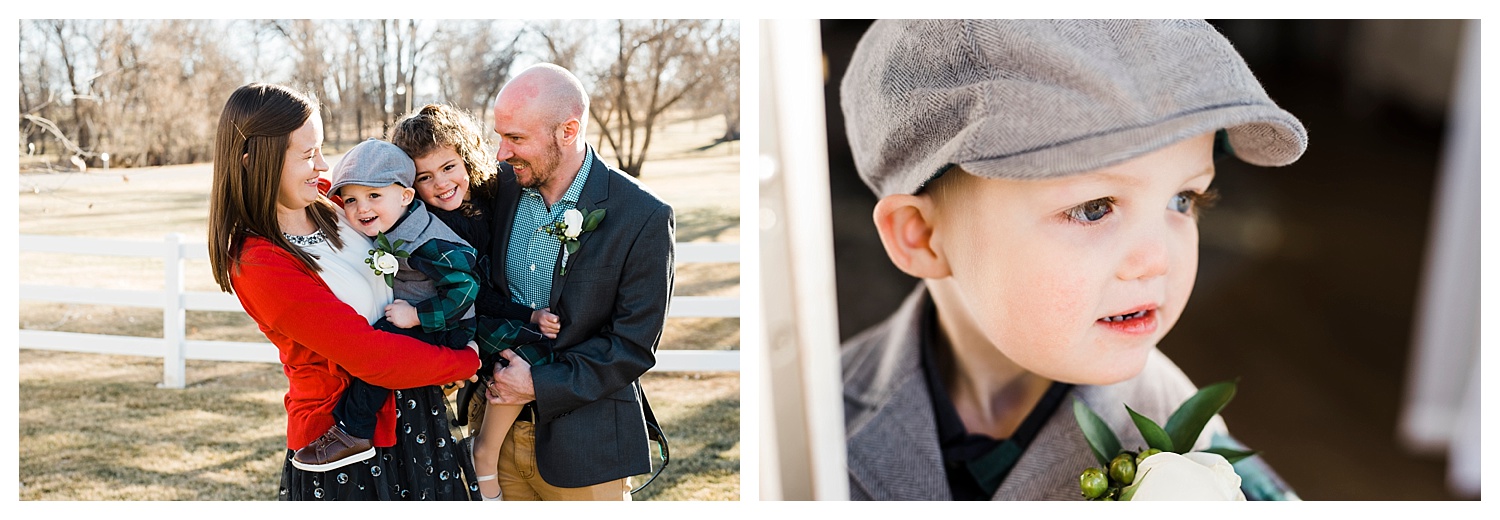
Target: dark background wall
[(1308, 273)]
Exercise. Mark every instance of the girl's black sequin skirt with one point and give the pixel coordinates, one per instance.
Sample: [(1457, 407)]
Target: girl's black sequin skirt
[(427, 463)]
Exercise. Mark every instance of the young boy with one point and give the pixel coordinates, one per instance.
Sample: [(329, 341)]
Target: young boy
[(1043, 178), (434, 286)]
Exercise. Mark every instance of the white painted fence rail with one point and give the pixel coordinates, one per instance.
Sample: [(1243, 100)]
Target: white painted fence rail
[(175, 349)]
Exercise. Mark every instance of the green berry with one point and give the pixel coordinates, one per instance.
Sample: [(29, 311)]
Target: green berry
[(1142, 457), (1122, 469), (1093, 483)]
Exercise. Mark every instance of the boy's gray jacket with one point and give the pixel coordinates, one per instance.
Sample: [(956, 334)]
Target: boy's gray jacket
[(892, 433)]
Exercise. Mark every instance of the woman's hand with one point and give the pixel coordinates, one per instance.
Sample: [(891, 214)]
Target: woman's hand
[(550, 323), (402, 314)]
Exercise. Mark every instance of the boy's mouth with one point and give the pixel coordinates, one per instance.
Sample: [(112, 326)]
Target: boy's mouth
[(1123, 317), (366, 221), (1140, 321)]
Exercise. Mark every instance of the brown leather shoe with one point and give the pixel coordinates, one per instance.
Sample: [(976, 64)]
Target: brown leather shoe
[(335, 449)]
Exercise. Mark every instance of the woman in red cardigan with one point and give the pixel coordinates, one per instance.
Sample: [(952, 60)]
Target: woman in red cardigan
[(299, 272)]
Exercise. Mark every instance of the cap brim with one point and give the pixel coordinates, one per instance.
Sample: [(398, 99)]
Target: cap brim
[(1259, 134)]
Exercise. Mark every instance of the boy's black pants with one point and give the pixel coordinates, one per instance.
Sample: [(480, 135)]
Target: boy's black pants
[(362, 401)]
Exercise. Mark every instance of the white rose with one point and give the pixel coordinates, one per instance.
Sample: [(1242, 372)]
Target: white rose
[(386, 263), (573, 220), (1195, 476)]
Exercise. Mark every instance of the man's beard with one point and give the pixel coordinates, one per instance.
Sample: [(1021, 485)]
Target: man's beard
[(541, 172)]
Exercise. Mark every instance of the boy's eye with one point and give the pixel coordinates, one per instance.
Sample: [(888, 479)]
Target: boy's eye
[(1191, 202), (1092, 211), (1183, 202), (348, 200)]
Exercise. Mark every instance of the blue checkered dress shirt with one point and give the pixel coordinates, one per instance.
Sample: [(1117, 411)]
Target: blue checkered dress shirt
[(533, 253)]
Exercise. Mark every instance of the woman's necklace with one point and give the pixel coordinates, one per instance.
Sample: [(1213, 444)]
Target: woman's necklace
[(317, 237)]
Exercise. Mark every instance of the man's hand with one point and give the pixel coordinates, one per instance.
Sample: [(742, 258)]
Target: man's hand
[(512, 384), (550, 323), (402, 314)]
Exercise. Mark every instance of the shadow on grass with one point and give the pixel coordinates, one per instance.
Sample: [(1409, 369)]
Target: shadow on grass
[(96, 427), (121, 438), (705, 224), (716, 142), (704, 452)]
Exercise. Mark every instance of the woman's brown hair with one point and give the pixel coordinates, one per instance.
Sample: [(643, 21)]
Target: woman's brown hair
[(438, 126), (249, 153)]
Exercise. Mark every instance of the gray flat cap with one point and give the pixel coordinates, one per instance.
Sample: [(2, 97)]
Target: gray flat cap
[(373, 163), (1044, 98)]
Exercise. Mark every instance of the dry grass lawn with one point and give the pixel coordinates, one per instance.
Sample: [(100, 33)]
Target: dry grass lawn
[(95, 427)]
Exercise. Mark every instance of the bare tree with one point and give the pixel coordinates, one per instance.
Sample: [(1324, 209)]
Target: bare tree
[(658, 63), (472, 62), (723, 90), (148, 92), (310, 63), (65, 37)]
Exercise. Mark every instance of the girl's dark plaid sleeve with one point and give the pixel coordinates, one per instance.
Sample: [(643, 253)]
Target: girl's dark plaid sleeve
[(497, 334), (451, 268)]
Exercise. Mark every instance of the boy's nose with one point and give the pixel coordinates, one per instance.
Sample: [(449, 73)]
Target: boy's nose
[(1147, 258)]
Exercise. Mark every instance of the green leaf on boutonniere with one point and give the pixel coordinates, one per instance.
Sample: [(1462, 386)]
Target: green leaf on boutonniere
[(572, 246), (1230, 454), (390, 280), (383, 243), (592, 220), (1101, 439), (1188, 421), (1155, 436)]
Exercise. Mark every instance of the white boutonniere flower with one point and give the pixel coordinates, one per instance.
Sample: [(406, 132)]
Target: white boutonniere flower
[(1168, 469), (384, 259), (573, 225), (1191, 476)]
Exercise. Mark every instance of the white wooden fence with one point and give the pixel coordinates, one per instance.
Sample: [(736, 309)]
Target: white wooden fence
[(175, 349)]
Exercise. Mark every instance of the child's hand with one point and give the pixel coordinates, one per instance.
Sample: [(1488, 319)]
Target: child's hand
[(550, 323), (402, 314)]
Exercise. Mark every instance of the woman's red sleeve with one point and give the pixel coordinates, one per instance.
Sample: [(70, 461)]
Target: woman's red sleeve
[(287, 299)]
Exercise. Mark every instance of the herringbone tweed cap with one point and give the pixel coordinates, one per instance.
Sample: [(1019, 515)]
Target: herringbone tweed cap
[(1045, 98)]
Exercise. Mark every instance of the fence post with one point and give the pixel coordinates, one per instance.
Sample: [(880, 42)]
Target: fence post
[(173, 317)]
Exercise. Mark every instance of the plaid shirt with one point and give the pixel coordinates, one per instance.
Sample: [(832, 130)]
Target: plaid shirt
[(451, 268), (497, 334)]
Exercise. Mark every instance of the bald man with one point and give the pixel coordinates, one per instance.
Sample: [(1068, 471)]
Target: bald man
[(584, 430)]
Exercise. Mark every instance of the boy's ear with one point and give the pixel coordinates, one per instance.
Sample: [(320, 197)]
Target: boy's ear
[(906, 223), (406, 196)]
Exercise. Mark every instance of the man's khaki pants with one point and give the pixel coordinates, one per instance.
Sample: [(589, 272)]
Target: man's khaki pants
[(519, 479)]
